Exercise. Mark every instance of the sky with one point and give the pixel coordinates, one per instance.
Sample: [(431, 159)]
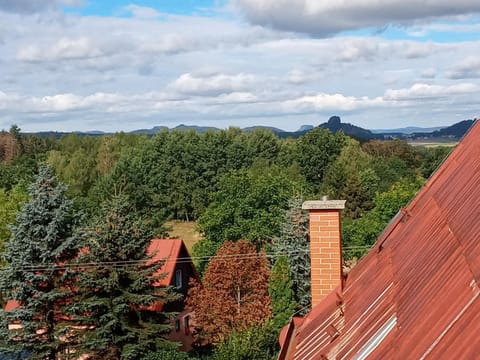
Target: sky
[(82, 65)]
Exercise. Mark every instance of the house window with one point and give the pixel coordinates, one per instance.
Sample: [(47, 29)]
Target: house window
[(178, 279), (177, 324), (186, 323)]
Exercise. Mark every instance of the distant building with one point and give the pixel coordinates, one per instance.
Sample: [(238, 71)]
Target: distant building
[(416, 294)]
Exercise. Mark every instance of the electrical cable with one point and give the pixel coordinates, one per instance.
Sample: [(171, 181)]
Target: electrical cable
[(147, 262)]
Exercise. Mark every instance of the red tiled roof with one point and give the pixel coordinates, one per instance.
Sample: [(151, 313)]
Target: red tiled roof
[(416, 293)]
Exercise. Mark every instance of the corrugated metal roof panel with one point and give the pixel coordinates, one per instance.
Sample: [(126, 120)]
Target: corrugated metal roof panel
[(424, 272)]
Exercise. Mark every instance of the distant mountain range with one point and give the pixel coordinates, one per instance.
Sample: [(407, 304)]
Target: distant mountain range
[(456, 130), (407, 130), (334, 124)]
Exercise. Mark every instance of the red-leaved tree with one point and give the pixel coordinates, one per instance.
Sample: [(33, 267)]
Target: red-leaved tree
[(234, 292)]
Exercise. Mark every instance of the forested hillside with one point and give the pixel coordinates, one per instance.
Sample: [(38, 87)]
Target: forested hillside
[(237, 186)]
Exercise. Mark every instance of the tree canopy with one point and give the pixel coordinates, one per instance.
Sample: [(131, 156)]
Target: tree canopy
[(233, 295), (116, 299), (41, 240)]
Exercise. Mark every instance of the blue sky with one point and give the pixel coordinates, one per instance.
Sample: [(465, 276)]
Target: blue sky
[(123, 65), (115, 7)]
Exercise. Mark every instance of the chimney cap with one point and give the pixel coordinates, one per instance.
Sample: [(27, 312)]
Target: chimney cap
[(323, 204)]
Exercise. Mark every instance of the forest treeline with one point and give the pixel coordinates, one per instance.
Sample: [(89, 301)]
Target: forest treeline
[(236, 185)]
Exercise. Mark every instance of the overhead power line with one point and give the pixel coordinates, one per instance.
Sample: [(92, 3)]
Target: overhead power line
[(127, 263)]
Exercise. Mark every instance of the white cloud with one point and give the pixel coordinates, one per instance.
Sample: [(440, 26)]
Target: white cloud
[(422, 91), (3, 100), (73, 72), (357, 48), (63, 49), (332, 102), (329, 17), (465, 69), (143, 12), (415, 50), (212, 84), (298, 77), (428, 73), (60, 102), (236, 98)]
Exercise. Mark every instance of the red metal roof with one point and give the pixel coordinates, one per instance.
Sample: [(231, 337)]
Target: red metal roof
[(169, 251), (416, 294)]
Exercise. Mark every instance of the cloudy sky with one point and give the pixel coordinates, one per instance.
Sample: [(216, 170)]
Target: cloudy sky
[(122, 65)]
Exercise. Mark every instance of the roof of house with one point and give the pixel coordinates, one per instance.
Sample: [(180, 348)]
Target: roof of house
[(168, 250), (416, 293)]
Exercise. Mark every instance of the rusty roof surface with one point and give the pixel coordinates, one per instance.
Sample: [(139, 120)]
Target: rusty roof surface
[(416, 294)]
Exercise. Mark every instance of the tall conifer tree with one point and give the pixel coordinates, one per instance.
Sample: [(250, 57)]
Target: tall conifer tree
[(293, 241), (118, 301), (281, 292), (37, 288)]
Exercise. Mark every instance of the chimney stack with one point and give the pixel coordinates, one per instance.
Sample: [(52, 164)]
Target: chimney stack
[(325, 246)]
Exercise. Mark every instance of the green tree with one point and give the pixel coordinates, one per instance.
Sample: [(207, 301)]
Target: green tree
[(393, 148), (262, 144), (363, 232), (167, 354), (316, 150), (387, 204), (202, 251), (116, 297), (350, 177), (75, 162), (112, 147), (293, 241), (281, 292), (258, 342), (432, 158), (10, 204), (247, 206), (41, 240), (21, 169)]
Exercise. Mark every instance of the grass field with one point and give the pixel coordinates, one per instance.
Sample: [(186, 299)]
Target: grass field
[(185, 230), (432, 143)]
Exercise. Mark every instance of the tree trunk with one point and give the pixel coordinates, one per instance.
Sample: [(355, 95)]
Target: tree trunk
[(238, 299)]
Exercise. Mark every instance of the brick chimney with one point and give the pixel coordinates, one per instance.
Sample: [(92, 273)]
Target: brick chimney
[(325, 246)]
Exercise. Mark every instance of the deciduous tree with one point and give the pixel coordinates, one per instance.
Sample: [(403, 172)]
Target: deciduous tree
[(316, 150), (247, 206), (10, 204), (363, 232), (258, 342), (234, 293)]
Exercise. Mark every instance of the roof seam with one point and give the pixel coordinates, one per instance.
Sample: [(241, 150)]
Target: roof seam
[(450, 325)]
